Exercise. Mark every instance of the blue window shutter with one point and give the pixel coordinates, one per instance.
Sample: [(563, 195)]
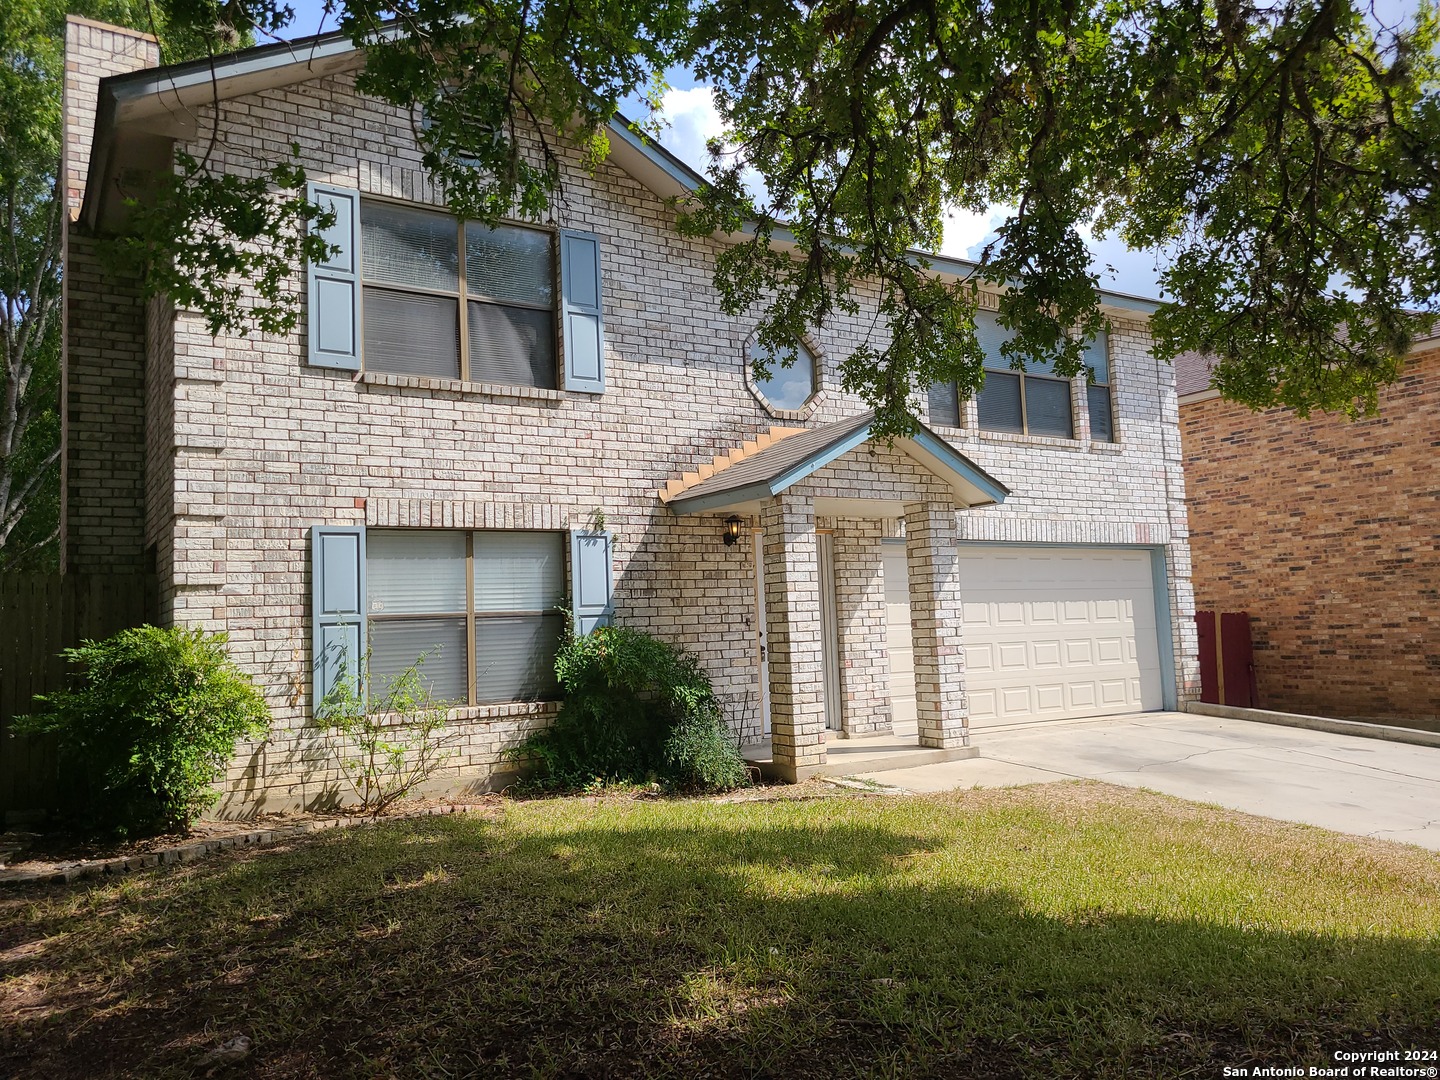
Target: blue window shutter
[(337, 613), (334, 285), (583, 315), (590, 580)]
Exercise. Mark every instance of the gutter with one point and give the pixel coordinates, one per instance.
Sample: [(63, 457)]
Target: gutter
[(1199, 395)]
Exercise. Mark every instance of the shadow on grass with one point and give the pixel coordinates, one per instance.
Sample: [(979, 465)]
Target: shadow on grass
[(741, 948)]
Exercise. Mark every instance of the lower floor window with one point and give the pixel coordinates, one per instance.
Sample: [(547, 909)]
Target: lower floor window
[(479, 611)]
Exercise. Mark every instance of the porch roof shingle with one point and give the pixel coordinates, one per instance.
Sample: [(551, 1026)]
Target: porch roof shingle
[(742, 477)]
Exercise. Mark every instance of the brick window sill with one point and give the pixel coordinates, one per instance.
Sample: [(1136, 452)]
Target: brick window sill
[(517, 710), (1017, 439), (458, 386)]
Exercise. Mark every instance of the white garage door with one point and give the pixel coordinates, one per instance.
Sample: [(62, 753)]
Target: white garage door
[(1056, 633)]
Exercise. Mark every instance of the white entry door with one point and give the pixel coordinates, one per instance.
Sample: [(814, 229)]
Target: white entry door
[(1055, 633), (898, 641), (762, 637)]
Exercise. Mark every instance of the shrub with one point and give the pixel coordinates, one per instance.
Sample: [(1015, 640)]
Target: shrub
[(147, 727), (393, 742), (636, 710)]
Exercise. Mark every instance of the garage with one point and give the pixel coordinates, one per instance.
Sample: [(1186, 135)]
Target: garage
[(1056, 633)]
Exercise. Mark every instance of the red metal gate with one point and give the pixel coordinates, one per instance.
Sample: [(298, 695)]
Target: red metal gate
[(1227, 659)]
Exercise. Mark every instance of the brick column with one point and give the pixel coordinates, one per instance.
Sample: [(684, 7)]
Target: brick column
[(940, 701), (792, 617)]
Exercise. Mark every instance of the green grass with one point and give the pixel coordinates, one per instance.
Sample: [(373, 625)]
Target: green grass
[(1070, 930)]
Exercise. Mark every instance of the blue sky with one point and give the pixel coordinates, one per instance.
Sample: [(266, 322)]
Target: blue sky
[(692, 121)]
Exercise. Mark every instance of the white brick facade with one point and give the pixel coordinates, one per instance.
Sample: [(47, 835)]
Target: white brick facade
[(248, 446)]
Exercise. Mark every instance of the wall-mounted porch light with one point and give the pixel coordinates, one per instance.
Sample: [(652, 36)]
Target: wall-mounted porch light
[(732, 529)]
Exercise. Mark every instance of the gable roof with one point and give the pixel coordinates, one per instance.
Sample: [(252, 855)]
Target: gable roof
[(1192, 372), (794, 454), (1192, 369), (139, 112)]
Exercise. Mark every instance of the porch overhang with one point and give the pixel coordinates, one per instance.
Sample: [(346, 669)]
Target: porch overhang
[(746, 478)]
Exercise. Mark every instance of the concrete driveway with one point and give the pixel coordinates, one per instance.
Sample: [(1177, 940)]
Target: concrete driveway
[(1355, 785)]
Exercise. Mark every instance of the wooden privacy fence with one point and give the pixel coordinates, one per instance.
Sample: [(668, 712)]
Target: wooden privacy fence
[(40, 614)]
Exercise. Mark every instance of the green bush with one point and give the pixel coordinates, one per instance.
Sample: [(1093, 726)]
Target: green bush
[(148, 727), (636, 710)]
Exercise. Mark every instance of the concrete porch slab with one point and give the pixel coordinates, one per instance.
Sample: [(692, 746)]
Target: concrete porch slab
[(849, 757)]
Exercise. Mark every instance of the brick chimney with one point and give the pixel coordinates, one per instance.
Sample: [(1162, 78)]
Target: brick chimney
[(102, 333), (93, 50)]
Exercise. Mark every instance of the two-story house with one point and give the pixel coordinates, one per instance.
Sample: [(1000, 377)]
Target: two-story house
[(475, 429)]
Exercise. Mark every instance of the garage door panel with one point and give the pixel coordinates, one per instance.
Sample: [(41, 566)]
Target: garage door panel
[(1114, 692), (982, 705), (1105, 657), (1045, 654), (1014, 700), (1013, 656)]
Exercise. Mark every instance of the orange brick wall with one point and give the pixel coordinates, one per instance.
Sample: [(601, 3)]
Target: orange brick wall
[(1328, 532)]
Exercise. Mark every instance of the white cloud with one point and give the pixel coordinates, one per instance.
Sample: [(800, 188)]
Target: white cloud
[(693, 121), (966, 232)]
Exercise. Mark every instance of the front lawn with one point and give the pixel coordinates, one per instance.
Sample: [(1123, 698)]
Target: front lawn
[(1063, 930)]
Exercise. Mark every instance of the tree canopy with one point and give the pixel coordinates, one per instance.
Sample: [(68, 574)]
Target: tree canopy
[(1282, 156)]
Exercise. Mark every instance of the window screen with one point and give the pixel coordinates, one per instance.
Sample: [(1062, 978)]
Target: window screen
[(1097, 393), (1047, 407), (411, 577), (999, 402), (481, 607), (417, 262), (404, 246), (1102, 423), (509, 263), (411, 334), (944, 404), (519, 584), (511, 345)]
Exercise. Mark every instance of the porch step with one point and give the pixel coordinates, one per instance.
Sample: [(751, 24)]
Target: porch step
[(850, 757)]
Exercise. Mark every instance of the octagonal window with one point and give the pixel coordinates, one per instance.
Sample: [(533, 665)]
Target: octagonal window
[(785, 389)]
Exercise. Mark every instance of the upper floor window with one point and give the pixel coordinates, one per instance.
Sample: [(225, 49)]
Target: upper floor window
[(457, 300), (1033, 402), (784, 389), (1097, 393)]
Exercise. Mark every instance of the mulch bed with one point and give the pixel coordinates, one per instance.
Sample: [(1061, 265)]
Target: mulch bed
[(57, 857)]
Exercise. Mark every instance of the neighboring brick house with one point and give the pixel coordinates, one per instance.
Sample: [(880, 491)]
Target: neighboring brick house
[(428, 459), (1327, 531)]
